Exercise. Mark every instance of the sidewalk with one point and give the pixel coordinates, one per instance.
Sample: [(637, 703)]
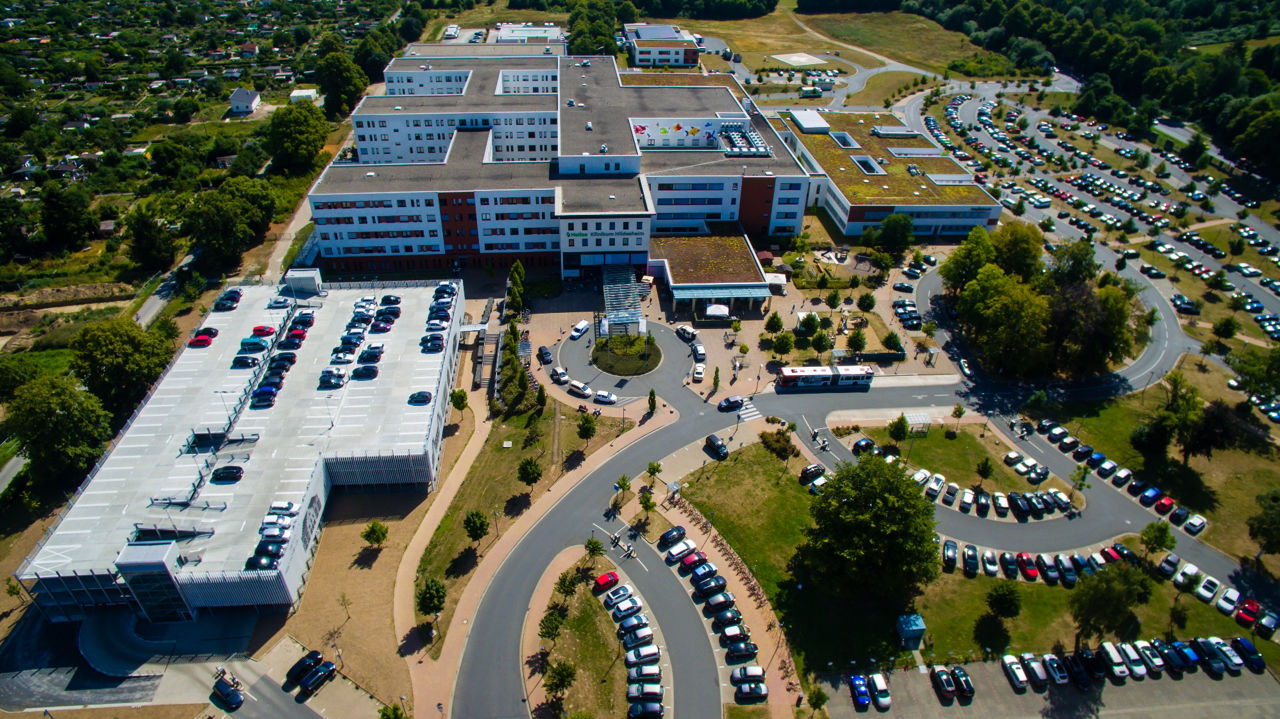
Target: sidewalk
[(435, 678)]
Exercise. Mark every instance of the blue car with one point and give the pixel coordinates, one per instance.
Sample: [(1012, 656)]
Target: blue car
[(1249, 653), (703, 571), (1150, 496), (1187, 653), (1096, 459), (858, 688)]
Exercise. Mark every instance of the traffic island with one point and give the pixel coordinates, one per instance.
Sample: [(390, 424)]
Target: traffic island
[(627, 355)]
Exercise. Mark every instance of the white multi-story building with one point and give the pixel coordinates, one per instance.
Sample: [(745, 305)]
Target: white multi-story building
[(661, 45)]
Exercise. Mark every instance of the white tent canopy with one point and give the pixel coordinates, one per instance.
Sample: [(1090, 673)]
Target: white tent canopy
[(721, 311)]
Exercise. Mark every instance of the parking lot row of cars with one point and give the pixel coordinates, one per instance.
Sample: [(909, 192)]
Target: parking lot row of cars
[(645, 691), (1063, 568), (1121, 477)]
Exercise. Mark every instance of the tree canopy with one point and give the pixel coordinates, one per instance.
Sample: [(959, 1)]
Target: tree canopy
[(118, 361), (872, 533), (341, 82), (60, 429), (295, 134), (1103, 602)]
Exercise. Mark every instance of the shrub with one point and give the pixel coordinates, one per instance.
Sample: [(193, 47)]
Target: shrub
[(779, 444)]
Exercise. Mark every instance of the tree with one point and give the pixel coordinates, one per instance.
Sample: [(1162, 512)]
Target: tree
[(818, 699), (567, 583), (715, 380), (59, 429), (1103, 602), (653, 470), (392, 711), (1079, 480), (624, 483), (866, 302), (958, 411), (375, 533), (218, 227), (893, 236), (559, 678), (1018, 247), (529, 471), (432, 596), (653, 401), (1005, 600), (15, 371), (1182, 413), (962, 266), (458, 398), (294, 136), (65, 219), (784, 343), (476, 525), (985, 468), (345, 602), (1259, 373), (773, 325), (892, 342), (595, 548), (833, 299), (549, 626), (821, 342), (1264, 527), (1226, 327), (117, 361), (586, 427), (341, 82), (1157, 537), (646, 503), (857, 340), (540, 398), (256, 197), (151, 245), (14, 590), (873, 533), (899, 428)]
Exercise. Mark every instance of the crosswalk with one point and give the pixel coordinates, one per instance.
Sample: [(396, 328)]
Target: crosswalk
[(749, 412)]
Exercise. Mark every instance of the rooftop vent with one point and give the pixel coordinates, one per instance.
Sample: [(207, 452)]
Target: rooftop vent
[(397, 107), (604, 149), (768, 173), (589, 127), (613, 197), (370, 174), (422, 67)]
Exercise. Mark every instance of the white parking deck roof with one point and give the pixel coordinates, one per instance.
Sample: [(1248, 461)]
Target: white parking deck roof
[(281, 443)]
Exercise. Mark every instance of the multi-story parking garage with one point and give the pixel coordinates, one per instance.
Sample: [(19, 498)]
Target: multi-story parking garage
[(154, 528)]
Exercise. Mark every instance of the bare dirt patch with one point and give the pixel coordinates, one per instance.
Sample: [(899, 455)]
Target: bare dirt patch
[(75, 294)]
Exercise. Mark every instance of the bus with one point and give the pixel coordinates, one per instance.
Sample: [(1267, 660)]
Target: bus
[(840, 377)]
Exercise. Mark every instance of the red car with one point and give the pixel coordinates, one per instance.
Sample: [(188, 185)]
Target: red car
[(298, 334), (1111, 555), (606, 580), (1164, 505), (1248, 612), (200, 341), (1028, 566), (692, 560), (263, 330)]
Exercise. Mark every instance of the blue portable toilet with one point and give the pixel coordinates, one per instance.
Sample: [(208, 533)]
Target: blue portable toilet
[(911, 630)]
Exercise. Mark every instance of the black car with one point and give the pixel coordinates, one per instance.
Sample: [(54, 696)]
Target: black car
[(903, 287), (317, 677), (984, 503), (1125, 553), (1009, 565), (741, 650), (1095, 662), (229, 473), (727, 618), (1210, 657), (671, 536), (708, 587), (302, 667), (1079, 675), (1173, 660), (964, 685), (244, 362), (269, 549), (259, 562), (290, 343), (442, 315), (1019, 504), (717, 447), (423, 397), (390, 300), (387, 312), (1136, 487), (1179, 515), (368, 357), (365, 371), (1082, 452), (970, 559), (544, 355), (1045, 426), (863, 445), (224, 306), (812, 472), (728, 404), (949, 555), (1168, 565), (942, 682)]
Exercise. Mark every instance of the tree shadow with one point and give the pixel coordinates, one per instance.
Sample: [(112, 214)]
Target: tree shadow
[(991, 634), (450, 430), (574, 459), (365, 558), (1067, 703), (412, 641), (516, 505), (538, 662), (549, 709), (462, 564), (1184, 482)]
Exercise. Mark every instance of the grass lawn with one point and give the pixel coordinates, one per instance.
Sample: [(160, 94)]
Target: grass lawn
[(1222, 487), (1221, 235), (911, 39), (626, 355), (957, 459), (754, 711), (953, 604), (776, 33), (1032, 99), (589, 642), (795, 101), (882, 87), (651, 526), (492, 486)]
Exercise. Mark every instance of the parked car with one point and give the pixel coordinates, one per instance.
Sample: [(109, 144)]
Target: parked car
[(671, 536), (1014, 671), (303, 666), (943, 684), (880, 690), (859, 690), (618, 594)]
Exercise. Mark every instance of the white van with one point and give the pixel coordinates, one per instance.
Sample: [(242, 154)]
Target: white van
[(580, 389), (1114, 660), (579, 329)]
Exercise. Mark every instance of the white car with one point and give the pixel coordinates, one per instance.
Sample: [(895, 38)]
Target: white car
[(1233, 660), (935, 486), (679, 550), (579, 329), (1194, 524), (1229, 600), (1000, 502), (282, 521), (990, 565), (815, 487), (279, 303), (1137, 669), (920, 477), (880, 690), (1013, 670), (1208, 589), (964, 368), (1057, 434), (966, 500), (1026, 466), (342, 358), (699, 371), (1149, 655), (1187, 574), (603, 397), (617, 594), (1035, 668)]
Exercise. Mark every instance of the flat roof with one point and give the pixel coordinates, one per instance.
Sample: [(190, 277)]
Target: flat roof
[(897, 186), (481, 49), (715, 162), (481, 90), (279, 445), (682, 79), (707, 259)]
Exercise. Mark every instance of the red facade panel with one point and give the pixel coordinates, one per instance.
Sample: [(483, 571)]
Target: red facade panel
[(458, 218), (755, 205)]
